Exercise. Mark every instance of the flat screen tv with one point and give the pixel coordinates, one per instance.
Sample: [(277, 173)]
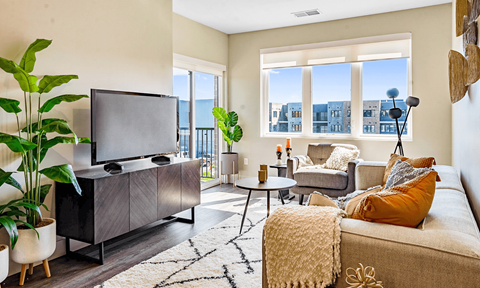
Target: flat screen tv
[(129, 125)]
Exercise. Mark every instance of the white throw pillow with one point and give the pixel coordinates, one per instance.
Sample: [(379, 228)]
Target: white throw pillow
[(340, 157)]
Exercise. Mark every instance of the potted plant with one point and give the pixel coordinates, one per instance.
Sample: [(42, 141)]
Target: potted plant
[(32, 144), (227, 122), (9, 216)]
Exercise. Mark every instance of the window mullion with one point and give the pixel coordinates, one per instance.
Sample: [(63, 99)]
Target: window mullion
[(357, 106), (307, 107)]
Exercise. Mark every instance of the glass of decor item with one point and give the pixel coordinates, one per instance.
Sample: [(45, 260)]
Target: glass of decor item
[(279, 154), (261, 176), (264, 168), (288, 147)]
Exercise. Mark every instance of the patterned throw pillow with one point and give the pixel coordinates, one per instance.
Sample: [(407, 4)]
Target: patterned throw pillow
[(420, 162), (340, 157), (403, 172)]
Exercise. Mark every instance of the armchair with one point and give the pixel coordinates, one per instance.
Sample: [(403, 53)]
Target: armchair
[(330, 182)]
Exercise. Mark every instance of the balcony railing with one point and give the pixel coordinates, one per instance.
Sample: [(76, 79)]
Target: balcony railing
[(205, 147)]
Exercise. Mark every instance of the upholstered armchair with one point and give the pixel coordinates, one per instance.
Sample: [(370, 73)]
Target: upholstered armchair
[(333, 183)]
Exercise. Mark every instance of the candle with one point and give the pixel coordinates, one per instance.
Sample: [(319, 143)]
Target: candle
[(289, 143), (279, 147)]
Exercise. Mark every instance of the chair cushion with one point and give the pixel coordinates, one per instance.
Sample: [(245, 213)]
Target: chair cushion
[(320, 177)]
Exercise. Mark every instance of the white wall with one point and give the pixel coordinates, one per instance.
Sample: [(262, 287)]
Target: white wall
[(431, 40), (110, 44), (466, 134)]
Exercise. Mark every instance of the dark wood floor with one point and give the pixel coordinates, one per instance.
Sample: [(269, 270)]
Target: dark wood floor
[(128, 250)]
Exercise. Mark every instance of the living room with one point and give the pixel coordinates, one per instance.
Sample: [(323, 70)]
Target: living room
[(142, 46)]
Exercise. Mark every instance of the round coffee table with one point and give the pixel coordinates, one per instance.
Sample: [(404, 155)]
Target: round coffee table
[(273, 183)]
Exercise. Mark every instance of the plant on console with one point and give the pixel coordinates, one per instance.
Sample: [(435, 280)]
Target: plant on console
[(32, 142)]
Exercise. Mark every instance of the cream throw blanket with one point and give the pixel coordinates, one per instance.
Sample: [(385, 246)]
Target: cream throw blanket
[(302, 246)]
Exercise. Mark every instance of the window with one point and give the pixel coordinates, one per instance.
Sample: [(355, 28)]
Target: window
[(378, 77), (285, 94), (345, 83)]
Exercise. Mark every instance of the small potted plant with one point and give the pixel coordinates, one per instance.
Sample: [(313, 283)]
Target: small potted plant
[(9, 217), (227, 123), (32, 143)]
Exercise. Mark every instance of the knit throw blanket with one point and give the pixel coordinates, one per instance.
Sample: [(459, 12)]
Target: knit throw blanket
[(302, 246)]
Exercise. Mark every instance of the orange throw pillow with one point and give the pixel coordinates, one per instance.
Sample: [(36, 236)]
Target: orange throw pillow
[(405, 205), (420, 162)]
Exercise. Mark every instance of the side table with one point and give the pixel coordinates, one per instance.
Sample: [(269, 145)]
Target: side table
[(282, 172)]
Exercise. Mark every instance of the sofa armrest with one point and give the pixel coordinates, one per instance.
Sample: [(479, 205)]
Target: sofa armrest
[(369, 174), (292, 165)]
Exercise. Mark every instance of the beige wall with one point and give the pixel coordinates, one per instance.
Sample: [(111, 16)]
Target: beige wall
[(109, 44), (431, 40), (466, 134), (198, 41)]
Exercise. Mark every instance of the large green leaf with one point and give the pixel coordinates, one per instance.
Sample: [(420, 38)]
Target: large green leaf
[(61, 127), (11, 228), (232, 118), (16, 144), (219, 113), (8, 65), (10, 105), (222, 127), (49, 82), (34, 151), (63, 174), (27, 82), (44, 122), (49, 104), (6, 177), (237, 133), (65, 140), (28, 60)]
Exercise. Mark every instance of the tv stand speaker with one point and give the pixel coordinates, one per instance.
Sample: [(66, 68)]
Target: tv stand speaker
[(114, 204), (161, 160), (113, 168)]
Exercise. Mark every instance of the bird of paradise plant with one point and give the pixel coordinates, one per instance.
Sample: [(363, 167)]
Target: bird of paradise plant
[(32, 142)]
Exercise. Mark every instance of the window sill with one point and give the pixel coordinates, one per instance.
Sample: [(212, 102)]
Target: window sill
[(392, 138)]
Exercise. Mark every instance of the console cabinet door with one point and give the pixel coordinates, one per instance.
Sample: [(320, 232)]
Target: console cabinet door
[(169, 190), (143, 198), (112, 207), (190, 184)]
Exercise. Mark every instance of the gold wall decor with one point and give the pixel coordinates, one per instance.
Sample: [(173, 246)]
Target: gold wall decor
[(470, 35), (473, 61), (457, 74), (475, 10), (461, 10)]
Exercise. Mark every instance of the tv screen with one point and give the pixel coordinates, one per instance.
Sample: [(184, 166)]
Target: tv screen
[(128, 125)]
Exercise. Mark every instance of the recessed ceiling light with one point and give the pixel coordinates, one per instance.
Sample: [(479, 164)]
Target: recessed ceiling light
[(312, 12)]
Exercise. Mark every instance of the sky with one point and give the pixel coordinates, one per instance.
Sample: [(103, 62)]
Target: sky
[(333, 82), (204, 85)]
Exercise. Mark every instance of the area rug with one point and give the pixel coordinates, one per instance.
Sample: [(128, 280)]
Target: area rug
[(218, 257)]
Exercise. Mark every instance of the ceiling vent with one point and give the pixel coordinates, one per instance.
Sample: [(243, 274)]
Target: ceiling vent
[(312, 12)]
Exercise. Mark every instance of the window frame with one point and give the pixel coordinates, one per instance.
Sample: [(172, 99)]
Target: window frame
[(356, 108)]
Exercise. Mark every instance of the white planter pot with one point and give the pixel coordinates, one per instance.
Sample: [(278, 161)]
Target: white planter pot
[(30, 249), (3, 263), (229, 163)]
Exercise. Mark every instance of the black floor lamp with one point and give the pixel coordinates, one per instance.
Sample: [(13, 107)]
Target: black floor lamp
[(396, 113)]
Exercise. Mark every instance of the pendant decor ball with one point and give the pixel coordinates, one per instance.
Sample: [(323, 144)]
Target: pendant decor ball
[(362, 277)]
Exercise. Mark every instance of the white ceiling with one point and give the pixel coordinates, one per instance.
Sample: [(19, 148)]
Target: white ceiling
[(237, 16)]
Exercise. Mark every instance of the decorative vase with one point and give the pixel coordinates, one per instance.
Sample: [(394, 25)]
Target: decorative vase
[(279, 157), (3, 262), (31, 249)]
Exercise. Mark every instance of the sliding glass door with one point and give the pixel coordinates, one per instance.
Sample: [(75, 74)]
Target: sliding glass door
[(198, 93)]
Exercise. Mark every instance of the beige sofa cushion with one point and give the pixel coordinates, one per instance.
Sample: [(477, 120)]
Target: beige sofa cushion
[(320, 177)]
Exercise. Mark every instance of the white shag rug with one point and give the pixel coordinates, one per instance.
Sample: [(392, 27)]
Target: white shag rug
[(218, 257)]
